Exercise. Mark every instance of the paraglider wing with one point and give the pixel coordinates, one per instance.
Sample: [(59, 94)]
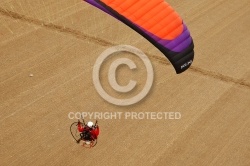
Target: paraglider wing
[(158, 23)]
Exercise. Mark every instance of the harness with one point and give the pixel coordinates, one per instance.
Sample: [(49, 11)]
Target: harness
[(86, 134)]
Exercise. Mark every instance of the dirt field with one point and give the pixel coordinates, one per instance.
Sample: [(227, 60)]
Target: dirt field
[(59, 41)]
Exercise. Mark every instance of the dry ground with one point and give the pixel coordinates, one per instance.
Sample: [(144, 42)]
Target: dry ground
[(59, 41)]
